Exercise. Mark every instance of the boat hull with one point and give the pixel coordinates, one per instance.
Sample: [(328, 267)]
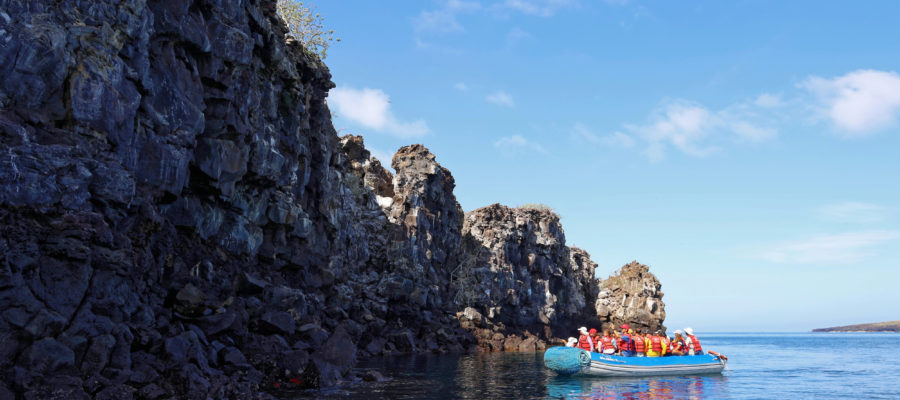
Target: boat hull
[(574, 361)]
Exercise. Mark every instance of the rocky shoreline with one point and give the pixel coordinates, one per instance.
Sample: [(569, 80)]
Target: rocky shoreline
[(181, 219)]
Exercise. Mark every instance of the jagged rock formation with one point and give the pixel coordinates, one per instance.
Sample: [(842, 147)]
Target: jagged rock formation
[(632, 295), (518, 275), (181, 219)]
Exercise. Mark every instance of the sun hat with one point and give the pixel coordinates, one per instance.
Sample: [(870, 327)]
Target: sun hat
[(679, 332), (593, 331), (689, 331), (583, 330), (624, 326)]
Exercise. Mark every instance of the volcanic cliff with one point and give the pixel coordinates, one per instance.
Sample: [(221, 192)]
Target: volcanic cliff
[(180, 217)]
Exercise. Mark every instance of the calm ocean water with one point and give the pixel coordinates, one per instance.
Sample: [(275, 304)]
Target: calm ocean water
[(761, 366)]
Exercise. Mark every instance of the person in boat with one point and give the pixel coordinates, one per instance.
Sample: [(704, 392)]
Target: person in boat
[(584, 340), (656, 347), (607, 343), (624, 341), (667, 344), (595, 336), (692, 345), (677, 344), (639, 345)]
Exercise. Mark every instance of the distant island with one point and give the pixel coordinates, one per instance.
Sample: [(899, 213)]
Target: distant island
[(889, 326)]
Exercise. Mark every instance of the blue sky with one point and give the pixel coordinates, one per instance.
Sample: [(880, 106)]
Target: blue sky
[(748, 151)]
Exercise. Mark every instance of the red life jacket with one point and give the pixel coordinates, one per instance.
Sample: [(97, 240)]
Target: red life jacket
[(680, 345), (639, 344), (626, 345), (696, 343), (584, 342), (656, 344), (606, 342)]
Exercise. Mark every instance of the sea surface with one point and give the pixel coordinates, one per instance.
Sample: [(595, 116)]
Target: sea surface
[(760, 366)]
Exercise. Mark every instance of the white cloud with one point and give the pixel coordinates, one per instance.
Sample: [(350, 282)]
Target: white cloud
[(371, 109), (767, 100), (501, 98), (859, 102), (852, 211), (444, 19), (438, 21), (696, 130), (843, 248), (541, 8), (514, 144), (462, 87), (680, 124)]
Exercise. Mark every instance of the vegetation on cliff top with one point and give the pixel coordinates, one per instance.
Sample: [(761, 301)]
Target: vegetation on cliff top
[(306, 26)]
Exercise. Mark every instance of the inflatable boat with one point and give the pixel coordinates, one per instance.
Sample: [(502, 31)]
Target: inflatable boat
[(575, 361)]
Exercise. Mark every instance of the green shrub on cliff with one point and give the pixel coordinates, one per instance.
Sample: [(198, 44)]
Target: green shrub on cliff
[(537, 206), (306, 26)]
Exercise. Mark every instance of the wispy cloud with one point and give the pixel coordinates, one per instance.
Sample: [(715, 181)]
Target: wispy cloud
[(443, 20), (540, 8), (582, 134), (843, 248), (768, 100), (511, 145), (851, 211), (859, 102), (516, 35), (696, 130), (461, 86), (501, 98), (371, 108)]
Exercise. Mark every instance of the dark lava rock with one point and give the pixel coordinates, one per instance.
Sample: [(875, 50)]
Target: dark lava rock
[(48, 355), (278, 322)]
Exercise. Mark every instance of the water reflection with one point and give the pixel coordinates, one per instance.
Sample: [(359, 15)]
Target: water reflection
[(509, 376), (655, 388)]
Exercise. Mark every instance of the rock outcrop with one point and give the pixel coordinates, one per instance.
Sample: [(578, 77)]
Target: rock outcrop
[(518, 277), (632, 295), (180, 218)]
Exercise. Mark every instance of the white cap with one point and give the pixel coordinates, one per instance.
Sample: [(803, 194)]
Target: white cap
[(571, 342), (583, 329), (689, 331), (679, 332)]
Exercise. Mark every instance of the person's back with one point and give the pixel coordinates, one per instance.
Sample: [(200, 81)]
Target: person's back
[(626, 341), (693, 345), (584, 340), (677, 344), (639, 345), (654, 346), (607, 344)]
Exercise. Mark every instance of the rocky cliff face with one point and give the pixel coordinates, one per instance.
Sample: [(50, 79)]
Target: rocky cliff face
[(519, 277), (180, 218), (632, 295)]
